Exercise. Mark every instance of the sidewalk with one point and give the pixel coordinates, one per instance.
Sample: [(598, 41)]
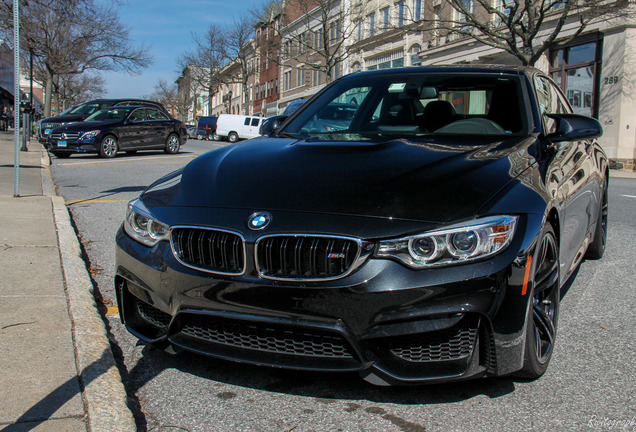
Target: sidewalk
[(58, 371)]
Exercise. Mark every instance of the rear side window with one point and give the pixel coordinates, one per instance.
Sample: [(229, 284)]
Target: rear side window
[(138, 115), (255, 122), (154, 114), (247, 121)]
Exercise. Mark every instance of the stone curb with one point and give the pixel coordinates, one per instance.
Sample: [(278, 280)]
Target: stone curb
[(103, 393)]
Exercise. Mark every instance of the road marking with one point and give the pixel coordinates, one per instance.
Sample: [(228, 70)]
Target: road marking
[(628, 196), (112, 310), (129, 161), (94, 201)]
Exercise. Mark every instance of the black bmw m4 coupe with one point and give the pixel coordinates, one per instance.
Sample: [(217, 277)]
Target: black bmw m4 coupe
[(420, 235)]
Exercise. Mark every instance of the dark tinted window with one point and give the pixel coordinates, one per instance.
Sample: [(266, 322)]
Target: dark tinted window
[(247, 121), (138, 115), (154, 114), (255, 122)]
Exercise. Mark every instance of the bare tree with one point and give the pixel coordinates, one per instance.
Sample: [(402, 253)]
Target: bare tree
[(73, 89), (237, 51), (204, 61), (525, 29), (167, 94), (70, 37), (318, 34)]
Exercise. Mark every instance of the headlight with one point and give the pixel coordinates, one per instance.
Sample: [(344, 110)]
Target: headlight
[(456, 244), (90, 134), (142, 226)]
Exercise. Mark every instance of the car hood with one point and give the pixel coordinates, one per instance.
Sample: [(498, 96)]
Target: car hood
[(435, 182)]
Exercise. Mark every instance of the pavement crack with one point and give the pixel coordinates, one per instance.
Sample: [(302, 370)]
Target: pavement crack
[(18, 324)]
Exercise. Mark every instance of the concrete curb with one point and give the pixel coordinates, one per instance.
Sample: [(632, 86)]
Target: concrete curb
[(103, 393)]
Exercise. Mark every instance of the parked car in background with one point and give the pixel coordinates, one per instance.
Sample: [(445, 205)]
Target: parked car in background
[(206, 127), (234, 127), (80, 112), (119, 128), (192, 131), (425, 238), (274, 121)]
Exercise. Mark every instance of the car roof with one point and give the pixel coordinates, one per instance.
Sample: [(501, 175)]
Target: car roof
[(131, 106), (483, 68)]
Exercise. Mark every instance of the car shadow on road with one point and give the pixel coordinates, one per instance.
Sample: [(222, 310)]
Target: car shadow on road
[(324, 386)]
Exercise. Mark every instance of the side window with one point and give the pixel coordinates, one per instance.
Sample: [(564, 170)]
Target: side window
[(560, 104), (138, 115), (154, 114), (255, 122), (549, 102), (543, 95), (247, 121)]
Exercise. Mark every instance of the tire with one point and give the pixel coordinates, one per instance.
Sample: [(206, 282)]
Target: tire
[(108, 147), (543, 313), (596, 249), (233, 137), (210, 137), (62, 155), (172, 144), (216, 137)]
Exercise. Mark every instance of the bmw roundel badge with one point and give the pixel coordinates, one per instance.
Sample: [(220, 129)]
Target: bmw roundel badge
[(259, 220)]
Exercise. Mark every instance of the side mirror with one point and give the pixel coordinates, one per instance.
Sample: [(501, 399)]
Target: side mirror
[(574, 127), (269, 127)]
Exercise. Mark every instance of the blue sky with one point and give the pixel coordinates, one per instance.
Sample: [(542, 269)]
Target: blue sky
[(166, 27)]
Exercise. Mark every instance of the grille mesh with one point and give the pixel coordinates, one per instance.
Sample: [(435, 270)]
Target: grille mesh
[(266, 337), (152, 314), (444, 345), (305, 257), (211, 250)]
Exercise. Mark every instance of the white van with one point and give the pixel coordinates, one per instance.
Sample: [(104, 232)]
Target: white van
[(235, 127)]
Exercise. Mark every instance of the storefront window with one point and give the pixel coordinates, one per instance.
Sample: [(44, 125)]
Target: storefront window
[(574, 69)]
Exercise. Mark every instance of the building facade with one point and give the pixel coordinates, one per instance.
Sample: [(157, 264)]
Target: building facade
[(595, 70)]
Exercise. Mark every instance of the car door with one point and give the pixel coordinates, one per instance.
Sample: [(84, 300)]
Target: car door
[(255, 123), (159, 127), (136, 130), (571, 165)]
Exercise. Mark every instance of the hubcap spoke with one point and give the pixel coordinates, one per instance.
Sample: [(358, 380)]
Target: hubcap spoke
[(545, 297), (544, 330)]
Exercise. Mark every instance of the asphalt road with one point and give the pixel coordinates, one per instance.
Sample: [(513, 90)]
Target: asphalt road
[(590, 384)]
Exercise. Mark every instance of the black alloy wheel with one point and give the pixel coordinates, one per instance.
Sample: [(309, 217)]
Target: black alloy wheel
[(543, 315), (172, 144), (596, 249), (108, 147)]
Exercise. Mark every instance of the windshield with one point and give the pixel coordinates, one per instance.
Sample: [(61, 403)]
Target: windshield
[(413, 105), (110, 115), (87, 108)]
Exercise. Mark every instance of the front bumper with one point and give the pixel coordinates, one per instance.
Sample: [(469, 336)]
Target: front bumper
[(77, 146), (392, 324)]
